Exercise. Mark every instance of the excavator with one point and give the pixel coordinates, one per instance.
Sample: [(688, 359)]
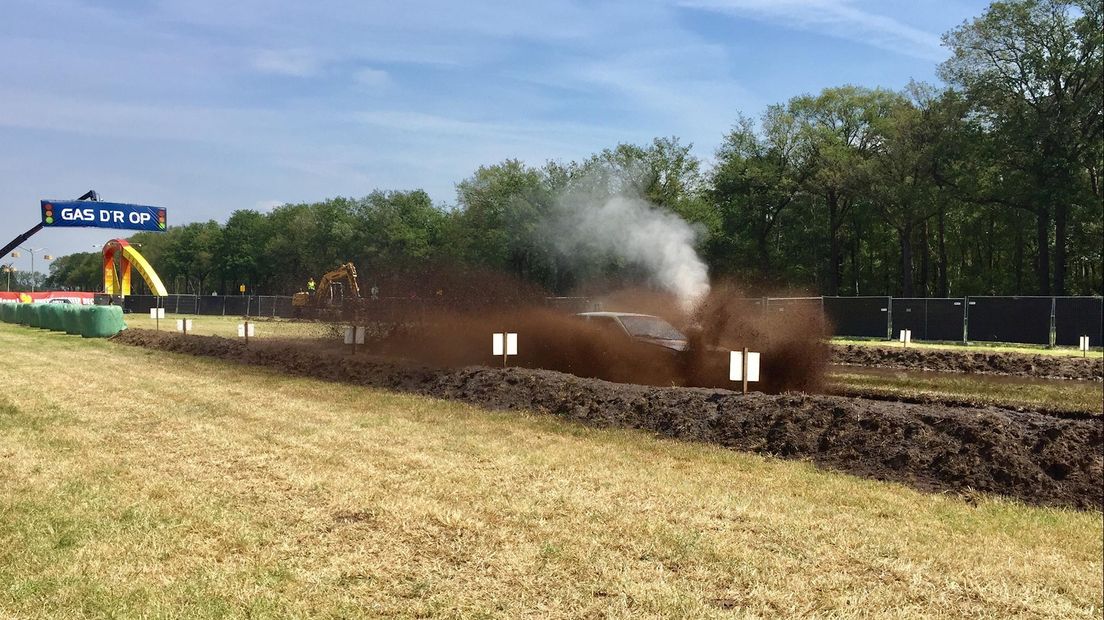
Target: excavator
[(337, 295)]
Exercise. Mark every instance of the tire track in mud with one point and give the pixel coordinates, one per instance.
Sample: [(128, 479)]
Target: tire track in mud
[(1034, 457)]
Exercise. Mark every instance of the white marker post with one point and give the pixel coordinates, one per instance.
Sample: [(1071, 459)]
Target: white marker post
[(157, 314), (245, 330), (1084, 346), (504, 344), (183, 325), (354, 336), (906, 337), (743, 366)]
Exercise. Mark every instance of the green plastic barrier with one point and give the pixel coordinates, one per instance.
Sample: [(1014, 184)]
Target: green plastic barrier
[(34, 315), (71, 319), (101, 321), (7, 312), (21, 314), (51, 316)]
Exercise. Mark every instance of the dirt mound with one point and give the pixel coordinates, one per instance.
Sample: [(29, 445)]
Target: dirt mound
[(1020, 364), (1036, 458)]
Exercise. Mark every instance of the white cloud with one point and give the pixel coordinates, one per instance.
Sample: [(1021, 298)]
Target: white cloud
[(838, 18), (372, 77), (291, 62)]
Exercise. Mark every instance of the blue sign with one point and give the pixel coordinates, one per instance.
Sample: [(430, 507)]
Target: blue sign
[(102, 215)]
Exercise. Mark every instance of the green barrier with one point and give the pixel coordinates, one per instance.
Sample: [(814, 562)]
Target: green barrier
[(21, 314), (71, 319), (34, 315), (7, 312), (101, 321), (51, 316)]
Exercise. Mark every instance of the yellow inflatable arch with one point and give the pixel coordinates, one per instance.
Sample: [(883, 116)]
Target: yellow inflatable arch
[(114, 284)]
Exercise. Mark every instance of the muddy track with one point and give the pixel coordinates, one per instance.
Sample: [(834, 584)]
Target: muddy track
[(1036, 458), (960, 402), (1018, 364)]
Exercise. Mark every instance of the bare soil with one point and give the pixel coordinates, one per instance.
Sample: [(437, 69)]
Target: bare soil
[(1018, 364), (1034, 457)]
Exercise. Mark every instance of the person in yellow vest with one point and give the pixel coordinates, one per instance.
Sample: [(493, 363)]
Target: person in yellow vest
[(310, 285)]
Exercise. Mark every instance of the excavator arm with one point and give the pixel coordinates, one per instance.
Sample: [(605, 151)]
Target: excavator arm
[(345, 274)]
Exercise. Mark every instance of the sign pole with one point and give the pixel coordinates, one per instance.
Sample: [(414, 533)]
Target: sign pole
[(745, 373)]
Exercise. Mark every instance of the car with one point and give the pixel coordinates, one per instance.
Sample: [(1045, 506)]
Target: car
[(60, 301), (641, 328)]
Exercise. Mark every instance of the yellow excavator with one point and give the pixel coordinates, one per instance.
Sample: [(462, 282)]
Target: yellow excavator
[(335, 292)]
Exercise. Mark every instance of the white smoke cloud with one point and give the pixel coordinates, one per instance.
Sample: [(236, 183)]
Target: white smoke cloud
[(636, 231)]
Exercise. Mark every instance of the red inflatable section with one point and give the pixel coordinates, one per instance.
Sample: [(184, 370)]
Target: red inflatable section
[(46, 296)]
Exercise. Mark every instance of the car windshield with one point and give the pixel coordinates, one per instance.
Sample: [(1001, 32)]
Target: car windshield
[(651, 327)]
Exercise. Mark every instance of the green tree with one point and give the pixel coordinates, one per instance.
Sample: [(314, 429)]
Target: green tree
[(1033, 70)]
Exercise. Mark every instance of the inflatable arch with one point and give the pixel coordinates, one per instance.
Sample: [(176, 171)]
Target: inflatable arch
[(128, 255)]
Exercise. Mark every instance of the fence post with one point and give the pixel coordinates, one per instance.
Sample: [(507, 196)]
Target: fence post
[(889, 317), (1053, 325), (965, 320)]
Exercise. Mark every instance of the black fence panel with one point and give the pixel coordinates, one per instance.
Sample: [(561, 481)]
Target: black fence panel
[(928, 318), (858, 316), (264, 305), (909, 313), (946, 318), (181, 304), (792, 304), (283, 308), (209, 305), (1009, 319), (1078, 316), (139, 304), (235, 305)]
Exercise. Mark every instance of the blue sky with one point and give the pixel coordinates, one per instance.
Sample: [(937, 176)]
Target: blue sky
[(205, 106)]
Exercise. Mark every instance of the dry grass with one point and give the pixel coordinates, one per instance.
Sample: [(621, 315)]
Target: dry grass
[(139, 484), (227, 326)]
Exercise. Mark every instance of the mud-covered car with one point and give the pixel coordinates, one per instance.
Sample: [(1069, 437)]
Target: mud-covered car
[(640, 328)]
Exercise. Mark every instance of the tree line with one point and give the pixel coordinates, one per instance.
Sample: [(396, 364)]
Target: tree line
[(987, 184)]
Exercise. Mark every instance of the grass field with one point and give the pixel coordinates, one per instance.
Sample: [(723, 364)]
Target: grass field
[(1055, 395), (227, 326), (140, 484), (976, 347)]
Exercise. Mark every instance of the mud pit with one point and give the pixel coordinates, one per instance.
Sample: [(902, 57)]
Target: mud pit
[(1032, 457), (1019, 364)]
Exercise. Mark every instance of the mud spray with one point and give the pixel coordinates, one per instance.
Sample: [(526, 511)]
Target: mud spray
[(454, 327)]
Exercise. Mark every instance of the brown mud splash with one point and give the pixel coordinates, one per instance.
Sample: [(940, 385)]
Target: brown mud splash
[(791, 342)]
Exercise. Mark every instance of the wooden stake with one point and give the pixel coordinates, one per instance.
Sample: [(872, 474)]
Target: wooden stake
[(745, 372)]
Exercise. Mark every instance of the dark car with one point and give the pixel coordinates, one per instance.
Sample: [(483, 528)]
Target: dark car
[(642, 328)]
